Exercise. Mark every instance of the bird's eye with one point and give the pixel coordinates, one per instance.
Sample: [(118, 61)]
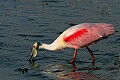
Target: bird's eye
[(33, 46)]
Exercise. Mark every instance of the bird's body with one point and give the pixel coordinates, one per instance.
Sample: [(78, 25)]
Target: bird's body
[(81, 35)]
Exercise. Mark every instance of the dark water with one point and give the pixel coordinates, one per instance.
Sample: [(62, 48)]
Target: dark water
[(23, 22)]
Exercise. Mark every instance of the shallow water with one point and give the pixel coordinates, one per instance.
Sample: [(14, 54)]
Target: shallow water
[(23, 22)]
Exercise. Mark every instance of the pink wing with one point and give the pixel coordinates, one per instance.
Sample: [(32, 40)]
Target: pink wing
[(86, 33)]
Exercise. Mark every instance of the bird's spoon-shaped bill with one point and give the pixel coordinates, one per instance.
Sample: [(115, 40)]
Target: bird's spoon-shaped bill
[(34, 52)]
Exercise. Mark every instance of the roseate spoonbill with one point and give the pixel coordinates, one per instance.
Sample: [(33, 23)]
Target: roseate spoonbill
[(78, 36)]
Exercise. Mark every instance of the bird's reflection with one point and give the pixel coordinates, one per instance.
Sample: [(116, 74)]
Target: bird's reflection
[(75, 74), (67, 71)]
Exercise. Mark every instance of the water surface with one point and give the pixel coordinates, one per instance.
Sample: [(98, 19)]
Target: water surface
[(23, 22)]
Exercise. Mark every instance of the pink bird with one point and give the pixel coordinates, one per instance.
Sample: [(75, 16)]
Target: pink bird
[(78, 36)]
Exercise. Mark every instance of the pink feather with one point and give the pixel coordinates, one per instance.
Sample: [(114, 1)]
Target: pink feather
[(87, 33)]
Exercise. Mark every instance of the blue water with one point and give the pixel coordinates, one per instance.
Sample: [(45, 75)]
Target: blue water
[(23, 22)]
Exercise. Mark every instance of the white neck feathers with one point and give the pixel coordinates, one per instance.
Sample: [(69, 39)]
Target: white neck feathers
[(57, 44), (47, 46), (53, 46)]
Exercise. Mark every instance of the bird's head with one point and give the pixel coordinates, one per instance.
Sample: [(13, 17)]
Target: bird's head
[(34, 51)]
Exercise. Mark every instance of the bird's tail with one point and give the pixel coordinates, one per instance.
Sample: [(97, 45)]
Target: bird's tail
[(107, 28)]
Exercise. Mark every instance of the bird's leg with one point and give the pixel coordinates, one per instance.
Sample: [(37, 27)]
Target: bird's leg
[(91, 53), (74, 67), (75, 54)]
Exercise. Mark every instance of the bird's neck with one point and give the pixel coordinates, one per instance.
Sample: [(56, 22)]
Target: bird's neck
[(48, 46), (56, 45)]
